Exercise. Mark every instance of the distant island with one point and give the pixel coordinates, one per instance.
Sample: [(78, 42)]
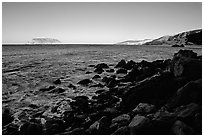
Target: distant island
[(193, 37), (44, 41)]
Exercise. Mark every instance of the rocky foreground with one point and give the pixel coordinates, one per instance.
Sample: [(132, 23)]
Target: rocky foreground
[(159, 97)]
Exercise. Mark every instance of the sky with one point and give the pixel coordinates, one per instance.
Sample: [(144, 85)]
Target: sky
[(99, 22)]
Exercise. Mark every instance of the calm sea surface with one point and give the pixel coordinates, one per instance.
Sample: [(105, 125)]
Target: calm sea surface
[(26, 69)]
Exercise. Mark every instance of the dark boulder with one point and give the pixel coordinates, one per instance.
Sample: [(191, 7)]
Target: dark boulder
[(99, 70), (161, 64), (100, 91), (122, 131), (88, 72), (10, 129), (191, 92), (97, 85), (107, 79), (187, 112), (144, 108), (180, 128), (72, 86), (31, 128), (112, 83), (96, 76), (186, 64), (145, 63), (76, 131), (121, 64), (84, 82), (33, 106), (54, 126), (155, 90), (110, 70), (121, 71), (102, 65), (99, 127), (138, 125), (91, 65), (110, 112), (130, 64), (161, 123), (122, 120), (141, 71), (6, 117), (79, 120), (80, 104), (58, 81)]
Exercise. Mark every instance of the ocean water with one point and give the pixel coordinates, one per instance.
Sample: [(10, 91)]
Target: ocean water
[(26, 69)]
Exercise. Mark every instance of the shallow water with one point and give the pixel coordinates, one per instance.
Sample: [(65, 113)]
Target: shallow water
[(26, 69)]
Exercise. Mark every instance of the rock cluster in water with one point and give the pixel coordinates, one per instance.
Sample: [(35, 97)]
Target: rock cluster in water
[(159, 97)]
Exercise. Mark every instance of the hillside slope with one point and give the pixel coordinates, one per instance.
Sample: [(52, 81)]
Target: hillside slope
[(187, 38)]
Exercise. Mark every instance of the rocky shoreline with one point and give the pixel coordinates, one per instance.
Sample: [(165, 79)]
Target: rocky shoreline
[(163, 97)]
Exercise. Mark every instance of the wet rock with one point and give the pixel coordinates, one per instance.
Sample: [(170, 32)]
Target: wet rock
[(132, 75), (68, 118), (191, 92), (97, 85), (33, 106), (107, 79), (54, 126), (10, 129), (186, 112), (6, 117), (47, 88), (112, 83), (186, 64), (99, 127), (106, 97), (38, 114), (121, 120), (180, 128), (102, 65), (155, 90), (91, 65), (161, 123), (113, 76), (84, 82), (99, 70), (145, 63), (130, 64), (88, 72), (110, 112), (95, 116), (140, 73), (110, 70), (96, 76), (121, 64), (80, 103), (72, 86), (76, 131), (144, 108), (122, 131), (79, 120), (138, 125), (121, 71), (57, 90), (158, 63), (58, 81), (30, 128), (100, 91)]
